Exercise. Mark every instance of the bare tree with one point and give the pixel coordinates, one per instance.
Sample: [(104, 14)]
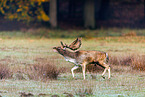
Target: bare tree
[(89, 14)]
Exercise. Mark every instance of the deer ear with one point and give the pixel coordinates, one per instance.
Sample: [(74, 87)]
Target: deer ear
[(63, 46), (79, 38), (61, 43)]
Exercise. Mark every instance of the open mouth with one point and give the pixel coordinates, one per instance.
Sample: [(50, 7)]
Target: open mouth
[(54, 49)]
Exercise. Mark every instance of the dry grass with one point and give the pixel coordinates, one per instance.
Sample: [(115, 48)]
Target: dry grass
[(33, 72), (43, 71), (5, 72), (134, 61), (84, 92), (131, 33), (138, 63), (121, 60), (48, 70)]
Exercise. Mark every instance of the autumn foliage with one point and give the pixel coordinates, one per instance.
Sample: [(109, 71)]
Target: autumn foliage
[(26, 10)]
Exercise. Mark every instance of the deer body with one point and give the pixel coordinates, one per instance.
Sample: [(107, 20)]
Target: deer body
[(83, 58)]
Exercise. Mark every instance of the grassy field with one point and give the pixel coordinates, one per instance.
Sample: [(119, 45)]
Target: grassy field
[(19, 55), (46, 33)]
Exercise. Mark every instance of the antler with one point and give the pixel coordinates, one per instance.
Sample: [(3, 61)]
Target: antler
[(74, 45), (63, 46)]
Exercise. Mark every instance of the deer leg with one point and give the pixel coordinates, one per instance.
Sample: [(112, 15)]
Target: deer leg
[(84, 70), (109, 73), (104, 73), (106, 68), (72, 70)]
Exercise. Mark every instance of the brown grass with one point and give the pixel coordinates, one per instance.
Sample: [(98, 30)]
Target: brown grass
[(131, 33), (85, 92), (138, 63), (121, 60), (48, 69), (5, 71), (135, 62), (43, 71)]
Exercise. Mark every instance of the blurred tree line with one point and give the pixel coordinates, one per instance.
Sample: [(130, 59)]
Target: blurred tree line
[(83, 13)]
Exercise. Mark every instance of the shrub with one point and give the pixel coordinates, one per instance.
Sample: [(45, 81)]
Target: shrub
[(84, 92), (121, 60), (5, 71), (132, 33), (136, 62), (43, 72), (51, 71)]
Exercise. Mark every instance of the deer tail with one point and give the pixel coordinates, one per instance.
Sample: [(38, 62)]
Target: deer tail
[(107, 57)]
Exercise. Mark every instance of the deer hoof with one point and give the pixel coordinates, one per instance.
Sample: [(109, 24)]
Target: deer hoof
[(103, 77)]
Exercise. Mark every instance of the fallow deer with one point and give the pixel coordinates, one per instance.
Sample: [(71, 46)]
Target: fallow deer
[(83, 58)]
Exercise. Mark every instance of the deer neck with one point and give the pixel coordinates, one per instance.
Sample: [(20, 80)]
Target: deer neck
[(67, 54)]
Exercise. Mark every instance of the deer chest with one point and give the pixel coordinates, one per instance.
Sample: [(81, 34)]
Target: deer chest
[(72, 60)]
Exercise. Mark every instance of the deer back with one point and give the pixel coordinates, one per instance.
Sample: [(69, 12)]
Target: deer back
[(91, 56)]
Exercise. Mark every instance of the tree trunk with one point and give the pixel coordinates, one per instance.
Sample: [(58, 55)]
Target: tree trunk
[(97, 9), (89, 14), (72, 8), (144, 9), (53, 13), (104, 14)]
